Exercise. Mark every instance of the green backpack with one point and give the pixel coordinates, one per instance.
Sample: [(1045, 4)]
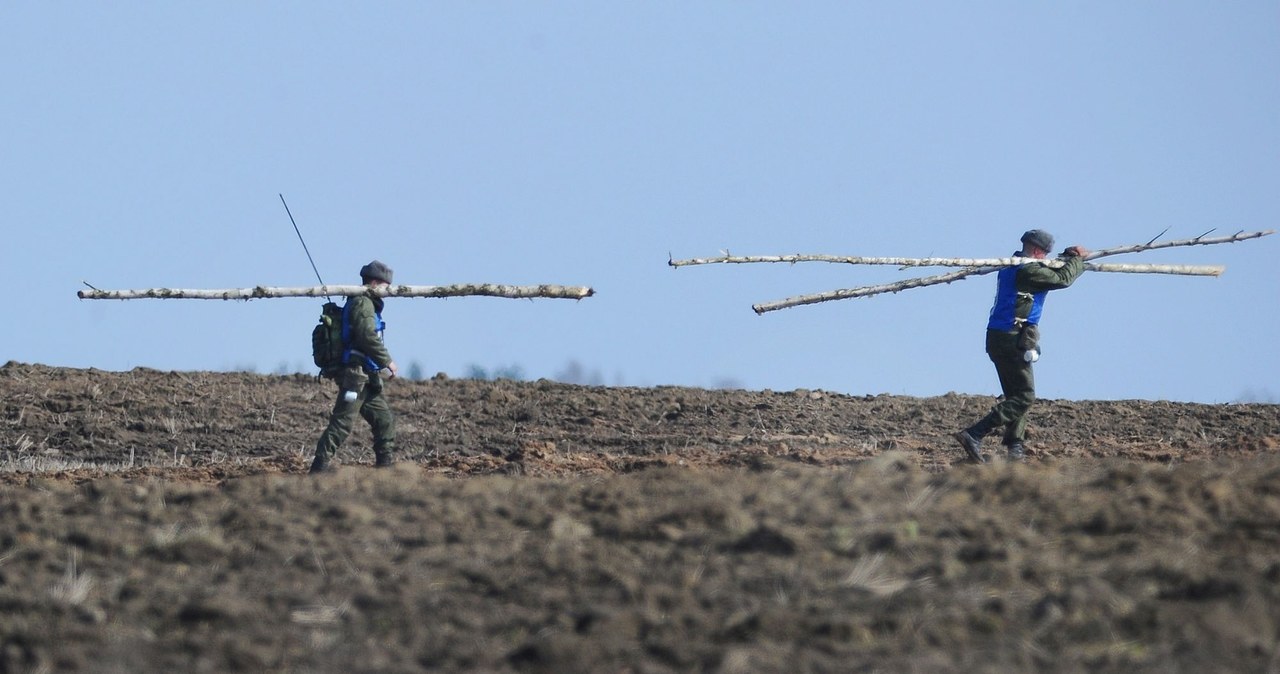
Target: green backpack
[(326, 339)]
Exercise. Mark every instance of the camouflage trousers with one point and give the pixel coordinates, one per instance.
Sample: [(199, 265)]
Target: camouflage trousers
[(358, 394), (1017, 382)]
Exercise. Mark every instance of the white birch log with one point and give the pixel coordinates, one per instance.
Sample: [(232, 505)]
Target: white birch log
[(867, 291), (263, 292), (1175, 269), (905, 262), (801, 300)]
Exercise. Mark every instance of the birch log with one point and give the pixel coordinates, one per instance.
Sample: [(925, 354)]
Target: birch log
[(801, 300), (263, 292), (866, 291), (905, 262)]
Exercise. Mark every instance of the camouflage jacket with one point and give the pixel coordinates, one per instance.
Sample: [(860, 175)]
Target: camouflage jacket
[(362, 332)]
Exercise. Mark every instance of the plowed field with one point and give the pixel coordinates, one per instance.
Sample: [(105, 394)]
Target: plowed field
[(163, 521)]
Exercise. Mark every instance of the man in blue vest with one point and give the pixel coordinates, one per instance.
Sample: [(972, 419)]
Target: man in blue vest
[(1013, 333), (364, 358)]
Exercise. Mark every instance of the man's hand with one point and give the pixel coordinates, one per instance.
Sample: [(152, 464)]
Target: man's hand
[(392, 369), (1076, 251)]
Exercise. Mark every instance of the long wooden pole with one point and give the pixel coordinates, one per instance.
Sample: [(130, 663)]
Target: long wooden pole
[(867, 291), (955, 262), (905, 262), (263, 292)]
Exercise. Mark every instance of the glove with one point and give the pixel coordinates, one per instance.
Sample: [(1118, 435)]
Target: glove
[(1076, 251)]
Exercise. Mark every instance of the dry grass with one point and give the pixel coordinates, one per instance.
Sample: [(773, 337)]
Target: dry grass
[(74, 587)]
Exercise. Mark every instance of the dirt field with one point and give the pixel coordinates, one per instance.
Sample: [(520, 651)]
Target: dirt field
[(163, 521)]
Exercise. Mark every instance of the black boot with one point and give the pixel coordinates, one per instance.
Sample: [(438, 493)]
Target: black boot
[(384, 452), (971, 444), (1017, 452), (320, 465)]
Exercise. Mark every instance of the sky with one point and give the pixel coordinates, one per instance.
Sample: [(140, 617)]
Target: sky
[(147, 144)]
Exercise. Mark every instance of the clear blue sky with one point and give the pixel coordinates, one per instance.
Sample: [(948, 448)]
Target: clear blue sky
[(581, 143)]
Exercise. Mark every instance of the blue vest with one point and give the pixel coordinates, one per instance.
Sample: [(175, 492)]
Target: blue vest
[(368, 363), (1006, 304)]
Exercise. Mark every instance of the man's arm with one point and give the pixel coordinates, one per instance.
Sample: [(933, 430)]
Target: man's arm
[(1033, 278)]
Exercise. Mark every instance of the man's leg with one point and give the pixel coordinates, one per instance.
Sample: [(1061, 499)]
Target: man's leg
[(1015, 378), (1018, 384), (351, 394), (377, 412), (1017, 381)]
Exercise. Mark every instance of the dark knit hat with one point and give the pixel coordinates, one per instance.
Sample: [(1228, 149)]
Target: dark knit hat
[(1039, 238), (375, 270)]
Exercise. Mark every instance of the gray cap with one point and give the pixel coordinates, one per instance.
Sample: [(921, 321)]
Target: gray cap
[(375, 270), (1039, 238)]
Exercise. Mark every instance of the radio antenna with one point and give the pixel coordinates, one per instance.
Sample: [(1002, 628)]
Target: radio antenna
[(304, 243)]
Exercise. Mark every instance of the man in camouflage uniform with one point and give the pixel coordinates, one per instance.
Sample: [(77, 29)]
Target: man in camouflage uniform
[(1013, 331), (359, 380)]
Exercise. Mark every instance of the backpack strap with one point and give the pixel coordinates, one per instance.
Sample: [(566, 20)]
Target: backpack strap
[(347, 349)]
